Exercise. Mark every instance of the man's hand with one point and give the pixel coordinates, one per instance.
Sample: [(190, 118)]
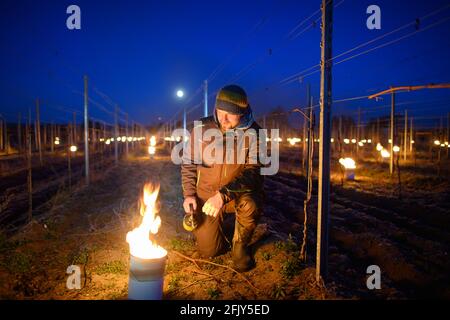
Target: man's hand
[(187, 202), (213, 205)]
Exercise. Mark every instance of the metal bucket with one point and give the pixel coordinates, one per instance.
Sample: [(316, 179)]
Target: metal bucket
[(146, 278), (350, 174)]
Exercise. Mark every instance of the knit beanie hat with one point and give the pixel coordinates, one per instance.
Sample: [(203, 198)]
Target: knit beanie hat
[(232, 99)]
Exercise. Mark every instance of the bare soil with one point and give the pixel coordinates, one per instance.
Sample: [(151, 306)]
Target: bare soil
[(370, 224)]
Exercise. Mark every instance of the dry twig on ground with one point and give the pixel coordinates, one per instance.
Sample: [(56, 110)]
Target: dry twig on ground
[(193, 260)]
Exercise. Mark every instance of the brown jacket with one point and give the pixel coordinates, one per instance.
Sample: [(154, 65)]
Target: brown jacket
[(231, 179)]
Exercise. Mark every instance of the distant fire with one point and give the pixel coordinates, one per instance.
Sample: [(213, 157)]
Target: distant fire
[(293, 141), (385, 153), (152, 147), (151, 150), (347, 163), (379, 147), (141, 246)]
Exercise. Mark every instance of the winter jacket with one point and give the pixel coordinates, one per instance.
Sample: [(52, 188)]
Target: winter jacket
[(231, 179)]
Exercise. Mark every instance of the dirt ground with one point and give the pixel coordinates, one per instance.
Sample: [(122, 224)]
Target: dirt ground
[(407, 238)]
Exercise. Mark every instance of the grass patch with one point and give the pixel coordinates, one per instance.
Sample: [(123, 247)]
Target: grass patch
[(174, 283), (115, 267), (181, 244), (213, 293), (17, 262), (278, 291), (279, 245), (290, 268), (171, 267), (290, 245), (78, 257), (266, 256)]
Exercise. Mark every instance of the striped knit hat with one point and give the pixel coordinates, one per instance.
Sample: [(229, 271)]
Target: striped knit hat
[(232, 99)]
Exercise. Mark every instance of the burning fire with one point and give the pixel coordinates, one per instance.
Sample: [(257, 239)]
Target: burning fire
[(152, 147), (379, 147), (385, 153), (141, 246), (347, 163)]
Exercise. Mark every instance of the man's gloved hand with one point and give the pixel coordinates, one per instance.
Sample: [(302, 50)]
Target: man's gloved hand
[(187, 202), (213, 205)]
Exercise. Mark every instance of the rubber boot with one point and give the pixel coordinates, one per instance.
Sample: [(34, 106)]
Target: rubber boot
[(241, 254)]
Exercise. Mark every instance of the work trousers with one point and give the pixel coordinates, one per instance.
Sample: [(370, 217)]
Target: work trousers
[(209, 234)]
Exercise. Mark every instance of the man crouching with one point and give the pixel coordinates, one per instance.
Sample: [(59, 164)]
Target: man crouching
[(214, 187)]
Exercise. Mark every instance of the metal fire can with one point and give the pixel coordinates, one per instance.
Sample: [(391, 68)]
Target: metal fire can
[(350, 174), (146, 278)]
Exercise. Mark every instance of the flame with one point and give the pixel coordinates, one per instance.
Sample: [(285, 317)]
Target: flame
[(385, 153), (140, 244), (348, 163), (293, 141), (153, 141)]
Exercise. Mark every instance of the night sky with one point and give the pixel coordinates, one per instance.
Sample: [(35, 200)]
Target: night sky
[(139, 53)]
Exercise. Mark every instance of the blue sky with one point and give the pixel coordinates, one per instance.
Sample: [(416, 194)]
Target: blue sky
[(140, 52)]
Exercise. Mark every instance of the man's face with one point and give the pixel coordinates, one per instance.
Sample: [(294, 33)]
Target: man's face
[(227, 120)]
